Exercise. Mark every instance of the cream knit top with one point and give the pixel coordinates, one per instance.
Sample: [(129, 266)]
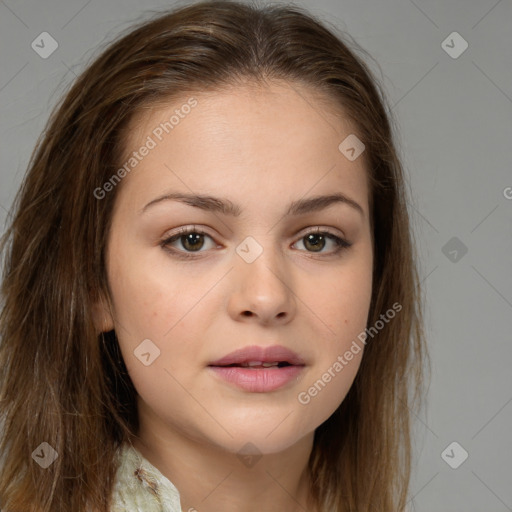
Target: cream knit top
[(140, 487)]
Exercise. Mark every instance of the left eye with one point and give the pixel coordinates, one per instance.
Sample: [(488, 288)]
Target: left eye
[(192, 240), (317, 239)]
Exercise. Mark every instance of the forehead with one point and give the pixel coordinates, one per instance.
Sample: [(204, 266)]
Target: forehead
[(271, 106), (277, 135)]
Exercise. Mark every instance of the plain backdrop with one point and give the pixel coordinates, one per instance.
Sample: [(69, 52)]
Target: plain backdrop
[(453, 105)]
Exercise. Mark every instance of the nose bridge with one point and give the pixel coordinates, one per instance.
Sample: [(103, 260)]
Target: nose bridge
[(260, 251)]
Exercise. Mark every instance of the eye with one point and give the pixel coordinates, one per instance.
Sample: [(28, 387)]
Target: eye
[(192, 241), (190, 238), (316, 240)]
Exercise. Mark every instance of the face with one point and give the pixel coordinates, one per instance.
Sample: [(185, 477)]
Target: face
[(274, 271)]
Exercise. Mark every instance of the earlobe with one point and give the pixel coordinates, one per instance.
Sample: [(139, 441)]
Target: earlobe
[(102, 317)]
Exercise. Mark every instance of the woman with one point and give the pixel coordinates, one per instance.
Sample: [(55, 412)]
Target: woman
[(271, 370)]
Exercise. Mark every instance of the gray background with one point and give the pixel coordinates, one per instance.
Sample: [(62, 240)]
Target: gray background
[(455, 136)]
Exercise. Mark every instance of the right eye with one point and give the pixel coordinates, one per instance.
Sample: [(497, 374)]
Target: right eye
[(191, 240)]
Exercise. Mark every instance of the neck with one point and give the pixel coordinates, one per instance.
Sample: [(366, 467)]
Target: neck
[(210, 479)]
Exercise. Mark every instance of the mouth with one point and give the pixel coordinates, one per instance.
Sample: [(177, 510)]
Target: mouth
[(257, 357), (255, 365), (259, 369)]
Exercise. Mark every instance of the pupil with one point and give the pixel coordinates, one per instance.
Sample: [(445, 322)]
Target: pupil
[(189, 240), (315, 246)]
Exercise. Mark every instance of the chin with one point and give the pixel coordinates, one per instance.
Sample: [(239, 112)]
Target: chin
[(257, 441)]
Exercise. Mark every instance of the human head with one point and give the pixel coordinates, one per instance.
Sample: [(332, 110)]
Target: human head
[(198, 48)]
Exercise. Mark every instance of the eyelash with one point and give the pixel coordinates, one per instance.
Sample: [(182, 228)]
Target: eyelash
[(341, 243)]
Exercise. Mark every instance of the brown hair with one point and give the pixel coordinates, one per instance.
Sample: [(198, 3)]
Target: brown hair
[(63, 384)]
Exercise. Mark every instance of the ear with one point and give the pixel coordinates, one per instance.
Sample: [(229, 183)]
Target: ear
[(102, 316)]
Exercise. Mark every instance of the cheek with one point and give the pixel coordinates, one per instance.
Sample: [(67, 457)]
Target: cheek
[(342, 304), (147, 306), (145, 301), (320, 397), (339, 358)]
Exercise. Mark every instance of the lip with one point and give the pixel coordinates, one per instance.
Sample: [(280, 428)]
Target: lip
[(257, 353), (259, 380)]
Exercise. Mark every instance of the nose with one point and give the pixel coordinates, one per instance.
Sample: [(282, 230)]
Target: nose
[(262, 289)]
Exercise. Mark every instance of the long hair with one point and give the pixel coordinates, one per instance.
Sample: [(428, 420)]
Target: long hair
[(62, 384)]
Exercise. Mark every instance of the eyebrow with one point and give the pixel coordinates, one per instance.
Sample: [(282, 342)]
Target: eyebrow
[(227, 207)]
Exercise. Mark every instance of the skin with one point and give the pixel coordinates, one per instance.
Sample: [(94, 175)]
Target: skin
[(262, 147)]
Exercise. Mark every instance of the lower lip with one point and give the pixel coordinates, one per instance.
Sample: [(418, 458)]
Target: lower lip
[(260, 380)]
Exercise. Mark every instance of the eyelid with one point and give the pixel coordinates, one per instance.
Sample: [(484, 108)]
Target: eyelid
[(322, 229), (183, 230)]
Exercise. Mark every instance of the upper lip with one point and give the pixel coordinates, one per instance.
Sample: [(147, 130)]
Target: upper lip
[(270, 354)]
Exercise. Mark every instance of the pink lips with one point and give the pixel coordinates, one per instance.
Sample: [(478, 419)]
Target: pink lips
[(259, 369), (256, 353)]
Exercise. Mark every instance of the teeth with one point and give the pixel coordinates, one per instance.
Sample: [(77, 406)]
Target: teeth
[(260, 363)]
